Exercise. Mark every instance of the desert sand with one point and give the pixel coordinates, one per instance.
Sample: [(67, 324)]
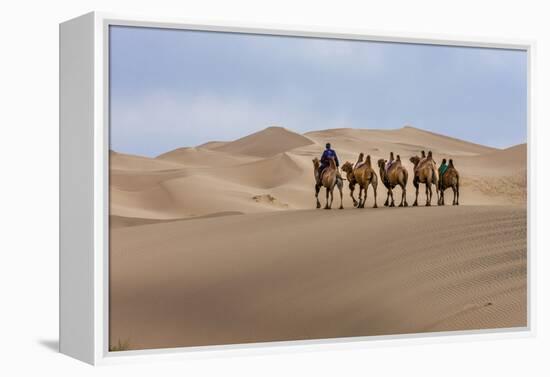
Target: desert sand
[(219, 243)]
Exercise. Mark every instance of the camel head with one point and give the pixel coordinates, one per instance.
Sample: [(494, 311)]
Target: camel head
[(415, 160), (347, 167), (381, 163), (315, 163)]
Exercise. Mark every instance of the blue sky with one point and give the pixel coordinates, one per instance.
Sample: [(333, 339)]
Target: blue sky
[(174, 88)]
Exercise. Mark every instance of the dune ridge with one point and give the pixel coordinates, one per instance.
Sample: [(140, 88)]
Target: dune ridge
[(266, 143)]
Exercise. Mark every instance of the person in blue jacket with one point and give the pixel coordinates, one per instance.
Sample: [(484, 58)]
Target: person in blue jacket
[(325, 159)]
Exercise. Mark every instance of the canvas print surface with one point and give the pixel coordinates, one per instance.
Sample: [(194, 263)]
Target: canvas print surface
[(271, 188)]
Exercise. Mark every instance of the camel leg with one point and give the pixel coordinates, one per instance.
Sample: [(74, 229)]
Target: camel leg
[(392, 201), (317, 189), (341, 195), (417, 187), (351, 189), (404, 193), (365, 198), (360, 197), (387, 202), (457, 192), (374, 188), (327, 194), (331, 196), (454, 194), (428, 194), (442, 197)]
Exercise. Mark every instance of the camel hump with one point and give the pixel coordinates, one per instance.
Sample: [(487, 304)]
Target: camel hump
[(359, 160), (399, 158), (451, 165), (429, 154), (368, 159)]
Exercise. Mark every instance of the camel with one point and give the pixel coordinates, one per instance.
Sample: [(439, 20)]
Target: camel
[(329, 179), (425, 172), (397, 175), (348, 169), (449, 179), (363, 175)]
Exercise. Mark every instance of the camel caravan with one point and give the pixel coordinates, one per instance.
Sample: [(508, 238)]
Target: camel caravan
[(392, 174)]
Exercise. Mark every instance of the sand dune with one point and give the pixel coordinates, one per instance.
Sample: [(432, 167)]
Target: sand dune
[(266, 143), (212, 144), (513, 159), (406, 140), (122, 222), (265, 173), (187, 196), (127, 162), (309, 274), (204, 157)]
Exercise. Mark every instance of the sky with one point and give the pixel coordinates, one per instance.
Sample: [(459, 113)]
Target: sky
[(174, 88)]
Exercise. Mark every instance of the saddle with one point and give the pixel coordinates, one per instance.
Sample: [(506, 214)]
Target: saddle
[(422, 162), (392, 165), (323, 170), (443, 169)]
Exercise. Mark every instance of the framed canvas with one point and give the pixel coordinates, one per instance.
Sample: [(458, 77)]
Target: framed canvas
[(249, 188)]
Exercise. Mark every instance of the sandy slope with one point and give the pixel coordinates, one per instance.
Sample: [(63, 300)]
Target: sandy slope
[(204, 157), (284, 275), (227, 176), (266, 143)]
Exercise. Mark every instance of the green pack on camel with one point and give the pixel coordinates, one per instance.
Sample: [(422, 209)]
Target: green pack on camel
[(443, 168)]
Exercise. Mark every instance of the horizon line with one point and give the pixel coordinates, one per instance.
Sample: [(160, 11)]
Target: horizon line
[(323, 130)]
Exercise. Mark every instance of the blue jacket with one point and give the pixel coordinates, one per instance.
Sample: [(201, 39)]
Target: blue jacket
[(327, 154)]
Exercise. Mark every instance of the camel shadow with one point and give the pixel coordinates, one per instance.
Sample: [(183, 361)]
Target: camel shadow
[(52, 345)]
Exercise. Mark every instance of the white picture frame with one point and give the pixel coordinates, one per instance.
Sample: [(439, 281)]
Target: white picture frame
[(84, 192)]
